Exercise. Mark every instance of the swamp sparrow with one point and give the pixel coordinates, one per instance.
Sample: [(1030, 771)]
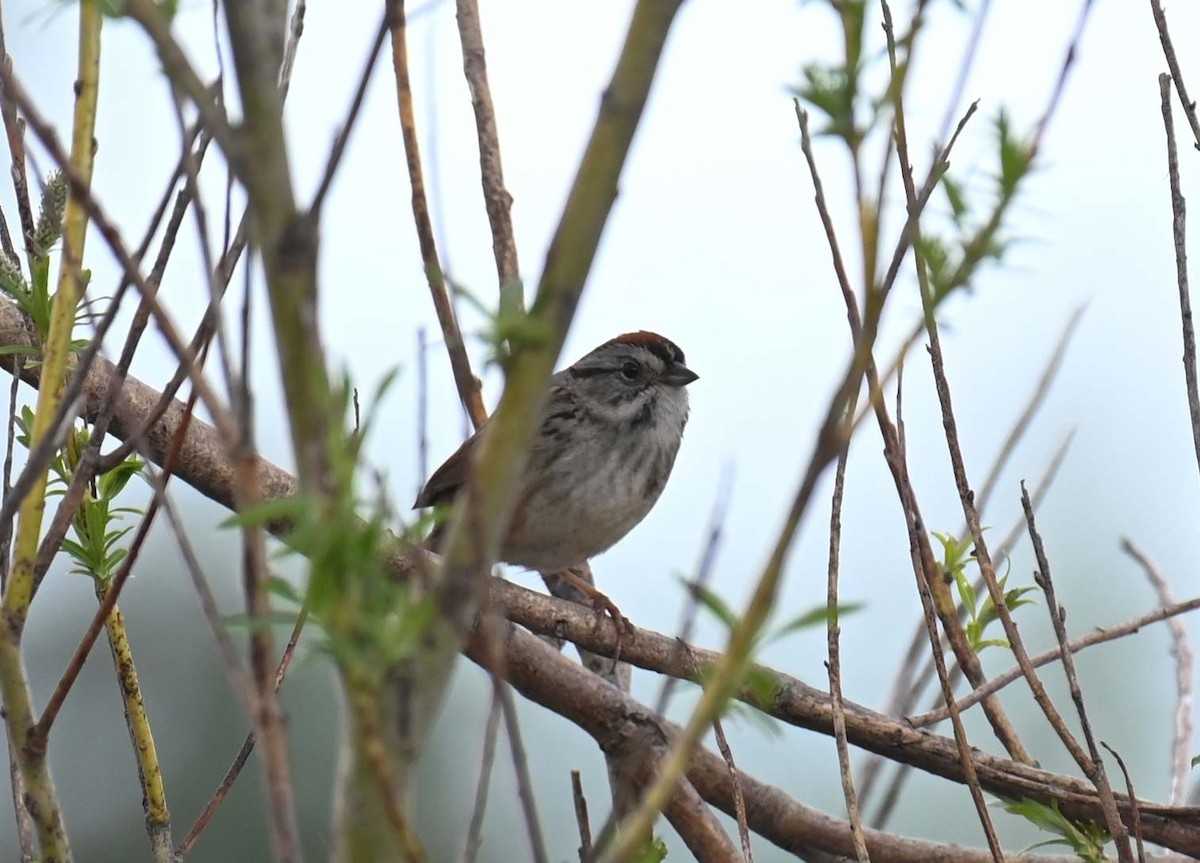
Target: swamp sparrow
[(609, 433)]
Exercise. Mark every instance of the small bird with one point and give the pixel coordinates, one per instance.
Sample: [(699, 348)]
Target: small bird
[(609, 433)]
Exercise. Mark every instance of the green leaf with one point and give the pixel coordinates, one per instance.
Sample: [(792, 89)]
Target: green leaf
[(112, 483), (266, 512), (654, 852), (762, 686), (1084, 838), (991, 642), (712, 602), (15, 350), (819, 614), (956, 198), (284, 589), (966, 591), (747, 715)]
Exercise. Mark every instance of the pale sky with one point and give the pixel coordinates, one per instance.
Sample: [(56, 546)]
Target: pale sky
[(715, 242)]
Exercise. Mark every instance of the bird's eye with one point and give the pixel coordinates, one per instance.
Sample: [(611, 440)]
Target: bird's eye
[(631, 371)]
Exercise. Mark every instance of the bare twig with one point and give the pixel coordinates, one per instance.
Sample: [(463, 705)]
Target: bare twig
[(964, 67), (497, 201), (581, 817), (1164, 37), (521, 768), (422, 410), (863, 334), (295, 31), (129, 265), (1092, 766), (739, 797), (1137, 816), (1099, 636), (243, 755), (708, 557), (1179, 234), (1181, 652), (486, 761), (360, 92), (14, 129), (468, 385), (833, 633), (900, 706), (179, 70)]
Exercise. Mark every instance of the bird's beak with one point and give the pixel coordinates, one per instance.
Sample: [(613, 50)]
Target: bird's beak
[(678, 375)]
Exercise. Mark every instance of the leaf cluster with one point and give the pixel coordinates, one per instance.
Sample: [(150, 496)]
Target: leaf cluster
[(95, 547), (1085, 838), (369, 620), (956, 555)]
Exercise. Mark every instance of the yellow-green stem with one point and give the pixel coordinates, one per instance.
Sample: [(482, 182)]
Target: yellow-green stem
[(57, 349), (154, 797), (41, 799)]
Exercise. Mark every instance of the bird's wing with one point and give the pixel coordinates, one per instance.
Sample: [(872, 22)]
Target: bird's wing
[(450, 477)]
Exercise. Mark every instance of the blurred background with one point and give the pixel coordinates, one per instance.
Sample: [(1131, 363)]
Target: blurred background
[(714, 242)]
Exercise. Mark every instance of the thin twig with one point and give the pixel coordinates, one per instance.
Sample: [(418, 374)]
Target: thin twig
[(739, 797), (360, 92), (14, 129), (486, 761), (964, 66), (907, 687), (243, 754), (863, 334), (871, 771), (422, 410), (521, 768), (581, 817), (235, 669), (708, 557), (928, 579), (496, 199), (1133, 803), (1179, 234), (901, 703), (469, 390), (295, 31), (112, 237), (1164, 38), (1099, 636), (1093, 767), (966, 496), (67, 680), (178, 69), (833, 637), (1181, 652)]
